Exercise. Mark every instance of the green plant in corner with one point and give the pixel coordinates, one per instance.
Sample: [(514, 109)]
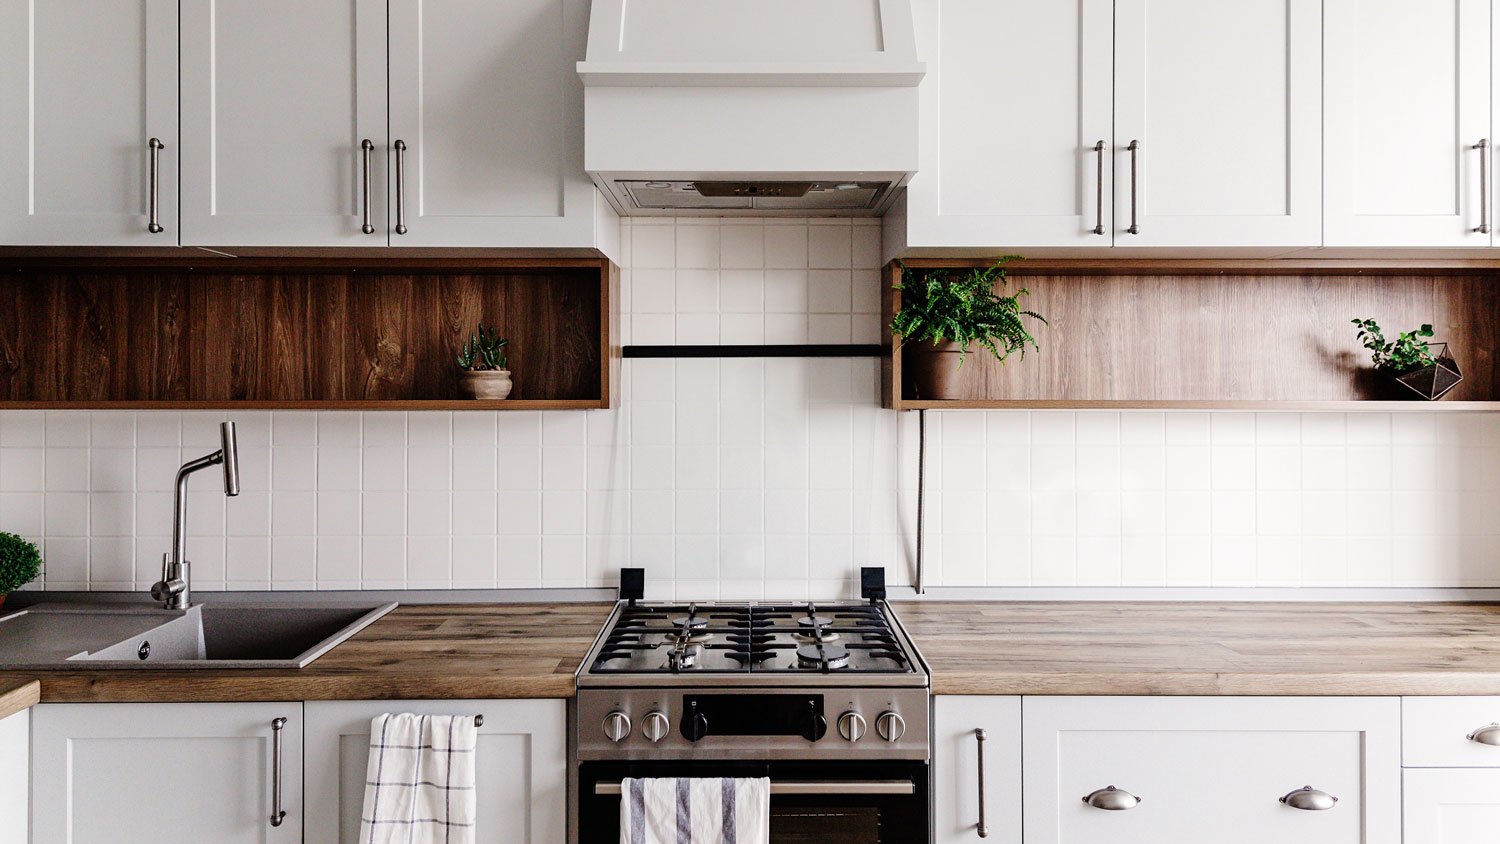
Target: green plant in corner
[(939, 306), (485, 351), (1407, 353), (20, 562)]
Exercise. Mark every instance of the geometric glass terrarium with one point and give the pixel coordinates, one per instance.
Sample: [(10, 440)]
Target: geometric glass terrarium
[(1433, 382)]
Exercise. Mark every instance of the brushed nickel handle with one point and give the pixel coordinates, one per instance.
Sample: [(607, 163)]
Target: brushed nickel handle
[(1488, 734), (278, 814), (400, 186), (1484, 186), (861, 787), (365, 148), (1099, 191), (153, 225), (1135, 150), (1111, 799), (982, 829), (1309, 799)]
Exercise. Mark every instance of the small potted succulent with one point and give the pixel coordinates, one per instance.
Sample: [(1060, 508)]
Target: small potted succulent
[(482, 372), (20, 563), (1423, 368), (943, 314)]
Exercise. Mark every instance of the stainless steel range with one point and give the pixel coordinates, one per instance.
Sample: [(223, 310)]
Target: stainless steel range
[(828, 699)]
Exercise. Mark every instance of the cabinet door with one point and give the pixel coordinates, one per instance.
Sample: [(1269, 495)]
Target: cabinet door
[(86, 85), (487, 101), (15, 777), (1212, 769), (521, 775), (1407, 98), (958, 755), (1450, 806), (1224, 102), (1016, 98), (168, 773), (278, 97)]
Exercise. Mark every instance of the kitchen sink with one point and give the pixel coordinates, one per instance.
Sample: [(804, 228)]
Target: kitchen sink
[(228, 635)]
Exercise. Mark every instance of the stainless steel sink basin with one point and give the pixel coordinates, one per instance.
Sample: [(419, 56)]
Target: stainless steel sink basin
[(228, 635)]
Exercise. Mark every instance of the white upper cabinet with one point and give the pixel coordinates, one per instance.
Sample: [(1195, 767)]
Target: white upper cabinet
[(1014, 106), (486, 100), (1223, 103), (86, 85), (1407, 102), (277, 99)]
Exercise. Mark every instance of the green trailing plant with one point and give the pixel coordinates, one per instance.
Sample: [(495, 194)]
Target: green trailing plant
[(1407, 353), (964, 308), (20, 562), (484, 351)]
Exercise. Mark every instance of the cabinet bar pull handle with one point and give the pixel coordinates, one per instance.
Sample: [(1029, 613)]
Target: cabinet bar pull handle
[(1099, 191), (365, 148), (1488, 734), (400, 187), (278, 814), (1484, 186), (1112, 799), (1309, 799), (156, 146), (1135, 150), (982, 829), (802, 787)]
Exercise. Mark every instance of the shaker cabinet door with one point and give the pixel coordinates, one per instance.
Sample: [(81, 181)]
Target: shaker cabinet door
[(976, 769), (1450, 806), (278, 98), (87, 85)]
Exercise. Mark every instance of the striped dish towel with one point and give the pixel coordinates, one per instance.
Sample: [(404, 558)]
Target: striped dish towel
[(419, 783), (670, 810)]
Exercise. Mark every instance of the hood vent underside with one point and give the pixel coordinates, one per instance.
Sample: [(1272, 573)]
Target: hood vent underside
[(767, 196)]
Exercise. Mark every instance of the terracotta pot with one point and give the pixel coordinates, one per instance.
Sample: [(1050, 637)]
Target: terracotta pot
[(486, 384), (936, 375)]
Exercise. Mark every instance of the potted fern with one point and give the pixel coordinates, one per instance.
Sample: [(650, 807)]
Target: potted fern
[(482, 372), (20, 563), (944, 315), (1421, 367)]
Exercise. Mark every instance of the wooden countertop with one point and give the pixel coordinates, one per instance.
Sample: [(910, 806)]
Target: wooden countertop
[(451, 651), (1245, 648), (17, 696)]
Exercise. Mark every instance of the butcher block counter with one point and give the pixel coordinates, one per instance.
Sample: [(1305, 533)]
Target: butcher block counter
[(1244, 648), (414, 652)]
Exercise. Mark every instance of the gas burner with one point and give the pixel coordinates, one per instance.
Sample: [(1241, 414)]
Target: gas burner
[(683, 656), (817, 634), (750, 657), (814, 621), (691, 622), (830, 657)]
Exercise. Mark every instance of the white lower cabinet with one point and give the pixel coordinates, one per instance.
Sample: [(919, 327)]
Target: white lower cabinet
[(15, 779), (1450, 806), (166, 773), (976, 771), (521, 778), (1211, 769)]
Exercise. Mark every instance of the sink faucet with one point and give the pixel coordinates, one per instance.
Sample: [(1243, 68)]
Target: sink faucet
[(173, 589)]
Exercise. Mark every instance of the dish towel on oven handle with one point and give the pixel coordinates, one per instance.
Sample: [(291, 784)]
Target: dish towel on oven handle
[(673, 810), (419, 782)]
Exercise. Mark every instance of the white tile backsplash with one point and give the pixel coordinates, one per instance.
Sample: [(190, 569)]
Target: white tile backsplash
[(750, 477)]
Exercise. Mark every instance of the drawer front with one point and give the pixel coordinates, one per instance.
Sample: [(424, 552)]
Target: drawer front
[(1435, 732), (1211, 769)]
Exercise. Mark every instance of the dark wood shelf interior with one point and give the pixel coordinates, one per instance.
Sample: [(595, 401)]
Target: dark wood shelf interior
[(356, 337), (1162, 337)]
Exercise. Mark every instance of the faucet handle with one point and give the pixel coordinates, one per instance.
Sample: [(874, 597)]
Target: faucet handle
[(166, 561)]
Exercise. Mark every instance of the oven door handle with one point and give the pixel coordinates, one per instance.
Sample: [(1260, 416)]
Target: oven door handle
[(808, 787)]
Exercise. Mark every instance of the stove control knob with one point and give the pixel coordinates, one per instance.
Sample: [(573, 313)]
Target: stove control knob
[(617, 726), (694, 724), (852, 726), (816, 726), (890, 726), (655, 727)]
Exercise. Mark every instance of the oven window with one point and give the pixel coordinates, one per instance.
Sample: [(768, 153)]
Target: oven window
[(825, 826)]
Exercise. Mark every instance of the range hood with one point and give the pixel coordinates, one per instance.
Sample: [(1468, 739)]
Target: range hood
[(750, 107)]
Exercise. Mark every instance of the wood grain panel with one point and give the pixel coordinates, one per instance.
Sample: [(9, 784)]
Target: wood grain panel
[(1143, 338), (104, 336)]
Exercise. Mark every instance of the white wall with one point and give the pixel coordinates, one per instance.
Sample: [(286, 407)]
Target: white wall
[(760, 477)]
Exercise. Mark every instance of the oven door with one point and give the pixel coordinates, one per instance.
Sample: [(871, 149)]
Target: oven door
[(811, 802)]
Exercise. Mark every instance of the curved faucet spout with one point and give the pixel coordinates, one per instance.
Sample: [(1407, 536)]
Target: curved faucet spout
[(174, 589)]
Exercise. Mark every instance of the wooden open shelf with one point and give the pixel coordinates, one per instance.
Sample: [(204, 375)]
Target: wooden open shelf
[(316, 335), (1153, 335)]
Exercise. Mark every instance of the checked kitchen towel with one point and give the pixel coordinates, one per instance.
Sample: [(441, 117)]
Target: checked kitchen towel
[(419, 784), (672, 810)]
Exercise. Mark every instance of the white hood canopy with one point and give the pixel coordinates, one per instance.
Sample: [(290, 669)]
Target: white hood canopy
[(766, 107)]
